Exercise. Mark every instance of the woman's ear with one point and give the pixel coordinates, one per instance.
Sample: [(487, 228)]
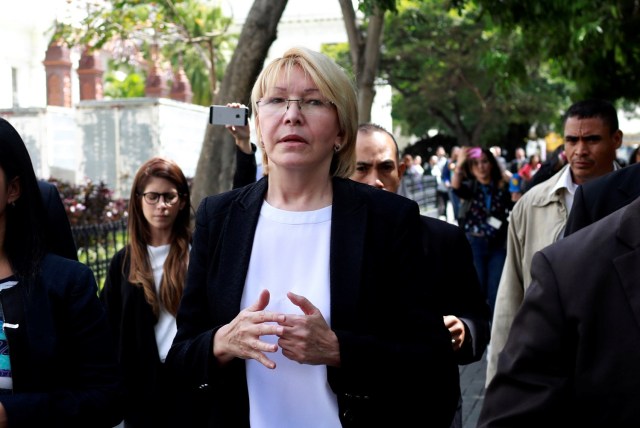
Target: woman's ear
[(13, 190)]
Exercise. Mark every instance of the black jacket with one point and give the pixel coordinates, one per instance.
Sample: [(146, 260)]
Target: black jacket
[(397, 364), (63, 365), (154, 396)]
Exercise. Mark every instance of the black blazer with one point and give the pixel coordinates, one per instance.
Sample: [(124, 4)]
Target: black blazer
[(397, 364), (154, 397), (64, 367), (59, 239), (449, 269), (602, 196), (571, 358)]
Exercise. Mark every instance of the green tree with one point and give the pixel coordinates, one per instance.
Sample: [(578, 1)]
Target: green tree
[(453, 71), (365, 39), (595, 44), (190, 33)]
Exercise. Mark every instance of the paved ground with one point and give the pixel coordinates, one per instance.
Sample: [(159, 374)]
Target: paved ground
[(472, 378)]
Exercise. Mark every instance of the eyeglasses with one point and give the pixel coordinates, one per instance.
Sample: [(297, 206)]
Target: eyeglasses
[(309, 106), (153, 198)]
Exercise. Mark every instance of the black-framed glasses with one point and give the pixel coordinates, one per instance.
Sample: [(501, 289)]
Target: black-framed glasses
[(278, 105), (153, 198)]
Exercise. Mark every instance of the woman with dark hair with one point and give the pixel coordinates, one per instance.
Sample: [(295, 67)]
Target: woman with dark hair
[(57, 365), (143, 290), (479, 180)]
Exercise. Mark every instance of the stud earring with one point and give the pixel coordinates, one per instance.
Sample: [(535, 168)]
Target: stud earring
[(337, 148)]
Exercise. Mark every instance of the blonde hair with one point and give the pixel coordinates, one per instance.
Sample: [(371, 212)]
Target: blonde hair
[(333, 83)]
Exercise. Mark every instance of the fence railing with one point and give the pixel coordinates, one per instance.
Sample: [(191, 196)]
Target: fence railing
[(97, 244), (423, 190)]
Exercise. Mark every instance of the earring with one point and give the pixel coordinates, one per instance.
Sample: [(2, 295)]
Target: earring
[(337, 148)]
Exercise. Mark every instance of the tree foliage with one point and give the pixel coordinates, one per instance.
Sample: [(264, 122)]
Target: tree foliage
[(190, 33), (595, 44), (453, 71)]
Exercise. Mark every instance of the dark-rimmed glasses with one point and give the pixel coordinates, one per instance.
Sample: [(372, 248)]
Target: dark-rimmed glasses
[(153, 198)]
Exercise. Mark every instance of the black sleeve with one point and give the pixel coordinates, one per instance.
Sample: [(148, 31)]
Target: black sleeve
[(59, 238), (246, 167)]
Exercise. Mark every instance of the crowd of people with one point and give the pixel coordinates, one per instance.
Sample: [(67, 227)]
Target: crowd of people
[(315, 294)]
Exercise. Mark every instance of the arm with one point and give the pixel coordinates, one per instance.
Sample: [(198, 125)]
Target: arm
[(246, 167), (111, 296), (510, 291), (245, 153), (473, 310), (534, 370)]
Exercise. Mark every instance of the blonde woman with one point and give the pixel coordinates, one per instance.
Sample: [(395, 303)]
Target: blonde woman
[(302, 305)]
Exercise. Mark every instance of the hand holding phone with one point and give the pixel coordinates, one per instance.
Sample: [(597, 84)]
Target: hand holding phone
[(223, 115)]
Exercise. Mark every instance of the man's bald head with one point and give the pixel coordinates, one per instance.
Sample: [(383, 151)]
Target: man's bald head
[(377, 158)]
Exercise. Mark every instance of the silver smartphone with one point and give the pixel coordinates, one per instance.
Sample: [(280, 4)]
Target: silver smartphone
[(223, 115)]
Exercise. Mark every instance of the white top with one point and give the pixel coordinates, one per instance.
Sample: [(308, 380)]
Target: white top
[(165, 328), (290, 253)]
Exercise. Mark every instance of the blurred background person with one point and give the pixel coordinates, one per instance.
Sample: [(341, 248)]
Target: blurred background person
[(529, 169), (484, 219), (142, 292)]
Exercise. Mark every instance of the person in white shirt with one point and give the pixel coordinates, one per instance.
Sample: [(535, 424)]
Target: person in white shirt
[(142, 292)]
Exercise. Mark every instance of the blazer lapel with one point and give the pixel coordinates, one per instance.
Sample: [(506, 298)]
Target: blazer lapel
[(348, 226), (628, 264), (236, 245)]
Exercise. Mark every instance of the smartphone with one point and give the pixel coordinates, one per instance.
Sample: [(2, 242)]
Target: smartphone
[(223, 115)]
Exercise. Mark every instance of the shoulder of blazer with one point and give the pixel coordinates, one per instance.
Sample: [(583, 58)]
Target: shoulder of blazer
[(244, 196), (349, 194)]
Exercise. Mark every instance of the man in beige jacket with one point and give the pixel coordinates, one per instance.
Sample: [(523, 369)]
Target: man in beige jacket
[(591, 137)]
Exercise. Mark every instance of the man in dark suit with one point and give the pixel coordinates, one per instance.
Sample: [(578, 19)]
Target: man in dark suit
[(448, 260), (59, 239), (599, 198), (571, 358)]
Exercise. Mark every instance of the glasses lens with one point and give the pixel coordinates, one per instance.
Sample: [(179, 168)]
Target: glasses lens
[(170, 198), (151, 197), (278, 105)]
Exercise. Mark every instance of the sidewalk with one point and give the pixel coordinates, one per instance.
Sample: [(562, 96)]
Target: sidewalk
[(472, 378)]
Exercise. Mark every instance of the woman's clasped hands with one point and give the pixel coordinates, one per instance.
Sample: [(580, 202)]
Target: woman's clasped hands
[(305, 338)]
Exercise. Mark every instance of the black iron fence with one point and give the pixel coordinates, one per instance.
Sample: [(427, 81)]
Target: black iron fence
[(97, 244)]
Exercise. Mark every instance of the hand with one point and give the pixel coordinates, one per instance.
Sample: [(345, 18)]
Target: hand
[(241, 337), (240, 133), (3, 417), (307, 338), (456, 328)]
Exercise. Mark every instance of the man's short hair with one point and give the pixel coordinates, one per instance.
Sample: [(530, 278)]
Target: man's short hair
[(588, 109), (368, 128)]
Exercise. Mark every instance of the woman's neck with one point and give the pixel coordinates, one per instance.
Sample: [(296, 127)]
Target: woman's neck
[(299, 192), (160, 237), (5, 266), (484, 180)]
